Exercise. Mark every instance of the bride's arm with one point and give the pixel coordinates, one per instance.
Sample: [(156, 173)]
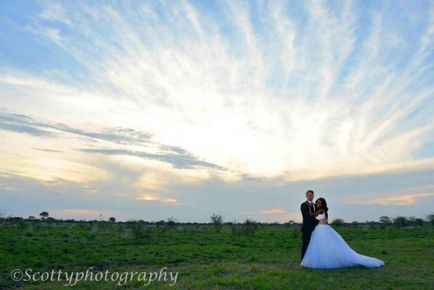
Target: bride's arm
[(315, 213)]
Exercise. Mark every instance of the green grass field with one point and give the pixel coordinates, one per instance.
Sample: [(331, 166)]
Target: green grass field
[(204, 259)]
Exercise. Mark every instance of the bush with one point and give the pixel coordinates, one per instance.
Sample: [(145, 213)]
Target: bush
[(164, 226), (235, 229), (418, 221), (385, 220), (431, 219), (217, 221), (338, 222), (249, 227), (21, 224), (140, 233), (171, 222), (411, 220), (43, 215), (400, 221)]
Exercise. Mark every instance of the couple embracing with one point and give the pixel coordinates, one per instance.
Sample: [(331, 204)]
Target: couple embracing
[(322, 246)]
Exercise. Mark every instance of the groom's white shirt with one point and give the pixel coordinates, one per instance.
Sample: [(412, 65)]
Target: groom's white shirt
[(311, 203)]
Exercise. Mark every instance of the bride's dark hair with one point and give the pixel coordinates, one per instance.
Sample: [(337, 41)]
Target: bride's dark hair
[(324, 206)]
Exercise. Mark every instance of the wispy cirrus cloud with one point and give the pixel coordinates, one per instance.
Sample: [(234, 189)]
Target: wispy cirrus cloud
[(178, 157), (13, 122), (273, 211), (177, 160), (408, 199), (278, 214), (153, 197), (259, 92), (400, 197)]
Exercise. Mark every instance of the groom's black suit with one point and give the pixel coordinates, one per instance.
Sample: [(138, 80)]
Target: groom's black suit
[(309, 224)]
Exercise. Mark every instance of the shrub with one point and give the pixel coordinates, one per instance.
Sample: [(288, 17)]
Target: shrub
[(418, 221), (44, 215), (338, 222), (411, 220), (217, 221), (171, 222), (249, 227), (140, 233), (164, 226), (400, 221), (235, 229), (431, 219), (385, 220)]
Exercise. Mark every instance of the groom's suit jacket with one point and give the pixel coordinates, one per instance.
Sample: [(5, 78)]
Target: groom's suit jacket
[(309, 222)]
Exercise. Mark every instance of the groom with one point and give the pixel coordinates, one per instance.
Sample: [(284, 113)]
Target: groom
[(309, 222)]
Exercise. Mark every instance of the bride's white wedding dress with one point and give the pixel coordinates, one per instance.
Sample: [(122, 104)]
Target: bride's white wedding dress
[(327, 249)]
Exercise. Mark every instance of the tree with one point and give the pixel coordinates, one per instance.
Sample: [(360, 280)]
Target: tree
[(400, 221), (44, 215), (249, 227), (431, 219), (171, 222), (385, 220), (411, 220), (217, 221), (140, 232), (418, 221), (338, 222), (112, 220)]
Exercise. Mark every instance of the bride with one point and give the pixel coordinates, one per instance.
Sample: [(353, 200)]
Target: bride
[(327, 249)]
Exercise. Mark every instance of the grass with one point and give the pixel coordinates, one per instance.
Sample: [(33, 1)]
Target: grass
[(204, 259)]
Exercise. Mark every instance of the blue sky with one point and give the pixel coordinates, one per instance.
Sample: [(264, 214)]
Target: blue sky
[(153, 109)]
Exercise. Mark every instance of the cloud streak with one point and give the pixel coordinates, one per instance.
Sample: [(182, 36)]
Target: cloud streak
[(396, 200), (178, 157), (261, 93), (178, 161)]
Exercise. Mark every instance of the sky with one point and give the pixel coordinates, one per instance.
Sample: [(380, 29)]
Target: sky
[(157, 109)]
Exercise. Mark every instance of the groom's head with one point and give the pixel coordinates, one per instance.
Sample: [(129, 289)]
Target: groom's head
[(309, 195)]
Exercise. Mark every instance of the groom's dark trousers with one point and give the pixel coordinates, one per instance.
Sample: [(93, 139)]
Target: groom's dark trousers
[(309, 224)]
